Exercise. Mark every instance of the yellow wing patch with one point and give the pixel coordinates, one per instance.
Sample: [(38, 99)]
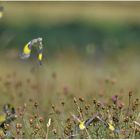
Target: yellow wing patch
[(27, 50), (111, 127), (2, 118), (82, 125), (40, 56)]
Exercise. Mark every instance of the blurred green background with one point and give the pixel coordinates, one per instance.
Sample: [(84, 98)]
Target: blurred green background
[(89, 27)]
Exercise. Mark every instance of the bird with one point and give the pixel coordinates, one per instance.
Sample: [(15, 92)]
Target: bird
[(37, 43), (7, 116)]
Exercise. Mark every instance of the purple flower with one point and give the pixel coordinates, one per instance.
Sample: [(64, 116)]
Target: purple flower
[(114, 98)]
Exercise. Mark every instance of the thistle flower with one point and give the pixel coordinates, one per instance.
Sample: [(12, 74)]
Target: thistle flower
[(114, 98)]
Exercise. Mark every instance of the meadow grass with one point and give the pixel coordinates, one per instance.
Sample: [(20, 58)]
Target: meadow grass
[(47, 97)]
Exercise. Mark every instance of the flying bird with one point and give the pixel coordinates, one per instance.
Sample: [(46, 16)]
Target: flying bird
[(36, 43)]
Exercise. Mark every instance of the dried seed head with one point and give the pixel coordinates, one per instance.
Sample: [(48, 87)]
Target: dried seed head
[(66, 132), (41, 119), (98, 104), (53, 107), (23, 133), (37, 126), (68, 120), (87, 106), (54, 131), (18, 125), (63, 103), (31, 121), (81, 99), (69, 126), (35, 104), (75, 101), (120, 104), (126, 119), (81, 110), (21, 113), (94, 101), (130, 93), (134, 107), (18, 131), (35, 116), (115, 119), (58, 111), (130, 116), (109, 106), (6, 126)]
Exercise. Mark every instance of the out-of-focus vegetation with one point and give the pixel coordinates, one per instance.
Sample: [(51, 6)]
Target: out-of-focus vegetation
[(91, 66), (105, 25)]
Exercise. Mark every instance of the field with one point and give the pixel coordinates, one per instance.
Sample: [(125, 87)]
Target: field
[(89, 83), (68, 88)]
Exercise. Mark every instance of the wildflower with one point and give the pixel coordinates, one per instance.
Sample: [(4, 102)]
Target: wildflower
[(114, 98)]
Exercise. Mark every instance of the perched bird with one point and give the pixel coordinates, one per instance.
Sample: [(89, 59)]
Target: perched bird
[(108, 125), (6, 117), (84, 124), (37, 43)]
